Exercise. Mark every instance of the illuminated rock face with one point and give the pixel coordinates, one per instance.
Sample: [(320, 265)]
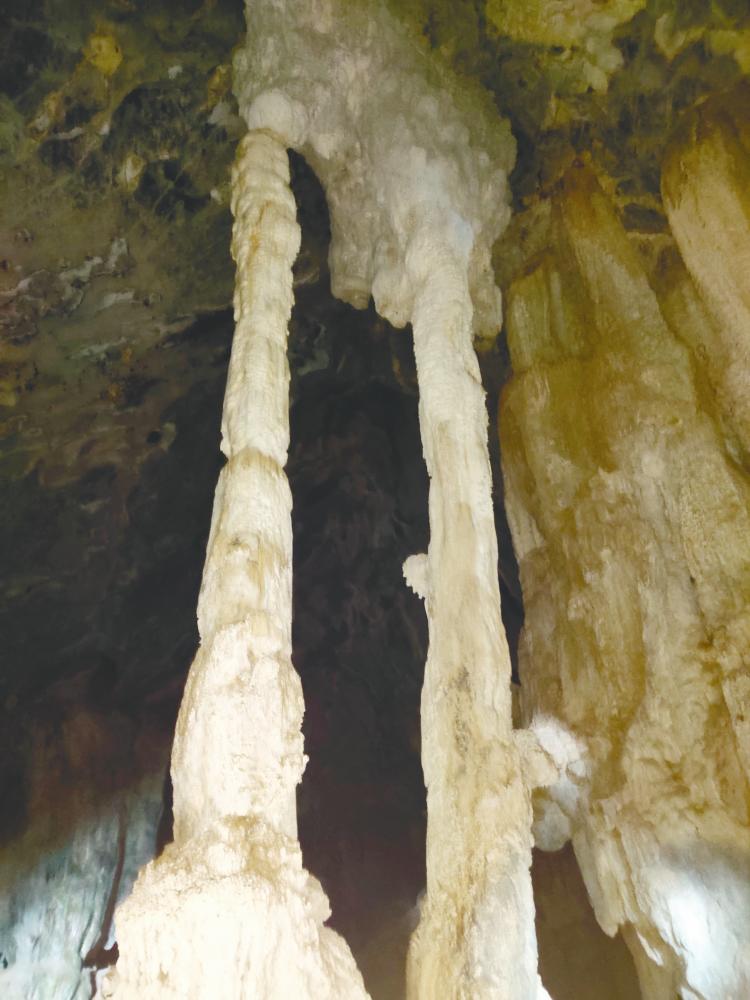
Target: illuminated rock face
[(228, 910), (89, 826), (632, 528)]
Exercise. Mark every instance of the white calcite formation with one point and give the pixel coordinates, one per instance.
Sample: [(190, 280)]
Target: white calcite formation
[(415, 170), (631, 522), (228, 910), (409, 160)]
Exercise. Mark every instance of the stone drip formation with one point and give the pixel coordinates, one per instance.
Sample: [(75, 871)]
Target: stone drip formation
[(414, 167)]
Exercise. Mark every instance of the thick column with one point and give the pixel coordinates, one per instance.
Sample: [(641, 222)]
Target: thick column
[(476, 934), (228, 911), (632, 530)]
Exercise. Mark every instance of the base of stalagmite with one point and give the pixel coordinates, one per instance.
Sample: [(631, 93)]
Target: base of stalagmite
[(232, 914)]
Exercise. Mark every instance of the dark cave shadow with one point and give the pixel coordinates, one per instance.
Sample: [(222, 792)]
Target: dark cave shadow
[(359, 487)]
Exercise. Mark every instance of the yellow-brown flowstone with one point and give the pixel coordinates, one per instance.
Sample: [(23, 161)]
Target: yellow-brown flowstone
[(632, 531), (706, 189)]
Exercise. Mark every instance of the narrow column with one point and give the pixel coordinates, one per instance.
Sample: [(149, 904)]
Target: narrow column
[(228, 910), (476, 934), (238, 745)]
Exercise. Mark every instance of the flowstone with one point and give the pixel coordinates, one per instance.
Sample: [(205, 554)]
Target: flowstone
[(632, 528)]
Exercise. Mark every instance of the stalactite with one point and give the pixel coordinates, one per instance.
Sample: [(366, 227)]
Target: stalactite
[(228, 910), (632, 529)]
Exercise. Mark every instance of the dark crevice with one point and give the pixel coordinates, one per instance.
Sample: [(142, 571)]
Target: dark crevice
[(360, 508)]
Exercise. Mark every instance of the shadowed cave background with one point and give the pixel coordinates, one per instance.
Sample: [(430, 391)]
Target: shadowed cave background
[(117, 129)]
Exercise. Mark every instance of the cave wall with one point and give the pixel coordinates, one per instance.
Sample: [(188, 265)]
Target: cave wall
[(631, 524)]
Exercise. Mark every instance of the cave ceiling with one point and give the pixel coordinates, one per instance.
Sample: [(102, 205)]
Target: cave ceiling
[(117, 131)]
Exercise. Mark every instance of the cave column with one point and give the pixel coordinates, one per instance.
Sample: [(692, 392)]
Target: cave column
[(238, 744), (228, 910), (476, 935)]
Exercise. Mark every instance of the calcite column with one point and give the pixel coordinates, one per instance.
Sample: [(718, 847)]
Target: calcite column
[(228, 910), (414, 163), (632, 529), (238, 744), (476, 934)]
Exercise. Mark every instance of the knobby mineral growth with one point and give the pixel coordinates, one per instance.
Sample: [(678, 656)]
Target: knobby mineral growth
[(631, 523), (228, 910), (415, 168)]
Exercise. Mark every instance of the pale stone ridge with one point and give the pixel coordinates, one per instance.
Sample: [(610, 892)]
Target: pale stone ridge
[(632, 529), (228, 911), (705, 183)]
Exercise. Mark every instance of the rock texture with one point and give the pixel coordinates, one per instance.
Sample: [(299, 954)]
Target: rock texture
[(476, 936), (233, 878), (631, 523), (705, 184), (577, 961), (92, 802)]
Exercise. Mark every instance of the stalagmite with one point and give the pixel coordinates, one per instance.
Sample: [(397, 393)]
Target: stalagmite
[(228, 910), (632, 529)]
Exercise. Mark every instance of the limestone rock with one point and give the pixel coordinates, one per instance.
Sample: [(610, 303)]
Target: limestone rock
[(418, 148), (705, 184), (632, 529), (93, 802)]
